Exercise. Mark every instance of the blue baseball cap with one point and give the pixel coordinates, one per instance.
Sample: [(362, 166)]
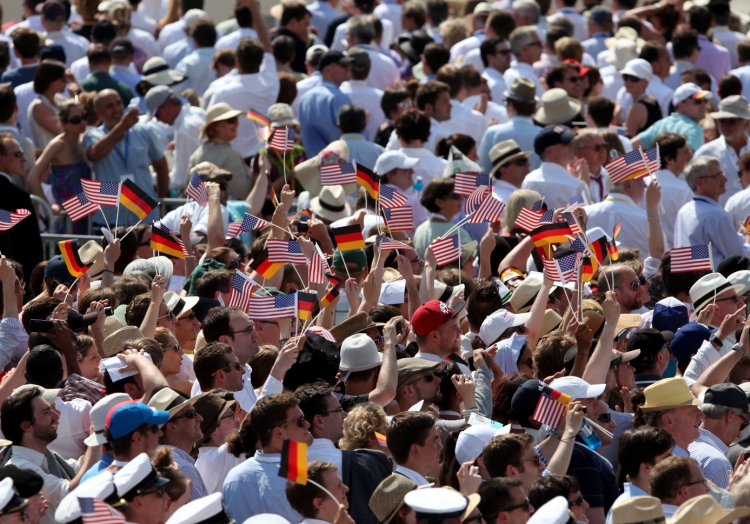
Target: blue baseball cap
[(125, 418), (551, 136), (57, 269), (669, 315), (688, 339)]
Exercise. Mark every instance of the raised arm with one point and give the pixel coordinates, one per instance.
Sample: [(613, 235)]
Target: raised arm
[(158, 288), (385, 389), (598, 365), (151, 377), (215, 228), (103, 147), (655, 232)]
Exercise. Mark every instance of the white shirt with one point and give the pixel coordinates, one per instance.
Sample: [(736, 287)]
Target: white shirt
[(33, 22), (383, 70), (503, 190), (390, 10), (436, 358), (323, 449), (303, 86), (187, 130), (171, 33), (247, 398), (743, 73), (75, 425), (612, 84), (525, 70), (738, 206), (675, 193), (412, 475), (618, 207), (556, 185), (580, 24), (656, 88), (25, 95), (369, 98), (494, 112), (214, 463), (707, 356), (71, 43), (198, 216), (437, 131), (496, 83), (143, 22), (323, 13), (257, 91), (155, 9), (213, 86), (232, 40), (727, 158), (145, 41), (474, 57), (429, 166), (701, 221), (466, 120), (196, 67), (466, 45)]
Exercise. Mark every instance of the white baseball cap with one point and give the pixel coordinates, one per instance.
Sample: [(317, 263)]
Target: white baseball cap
[(496, 323), (638, 68), (577, 388), (471, 442), (359, 353), (391, 160), (689, 90)]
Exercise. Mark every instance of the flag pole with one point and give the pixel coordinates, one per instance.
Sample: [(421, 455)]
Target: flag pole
[(105, 219), (117, 216), (460, 252), (133, 227), (711, 260), (69, 288)]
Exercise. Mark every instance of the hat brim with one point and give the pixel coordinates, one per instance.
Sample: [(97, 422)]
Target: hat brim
[(95, 439), (190, 303), (514, 96), (574, 108), (630, 355), (318, 209), (168, 77), (694, 315), (406, 48), (472, 502), (526, 154), (650, 409), (726, 114), (224, 116), (285, 122)]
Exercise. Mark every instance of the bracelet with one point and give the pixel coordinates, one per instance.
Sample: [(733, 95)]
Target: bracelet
[(469, 411), (108, 271)]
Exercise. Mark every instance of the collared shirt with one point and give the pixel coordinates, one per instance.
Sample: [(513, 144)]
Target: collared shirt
[(628, 492), (702, 221), (232, 40), (503, 190), (74, 426), (429, 166), (706, 356), (100, 466), (369, 98), (669, 510), (318, 110), (226, 157), (466, 120), (474, 58), (383, 71), (728, 158), (186, 463), (255, 487), (674, 80), (132, 156), (10, 336), (412, 475), (125, 75), (496, 83), (619, 207), (676, 123), (196, 66), (643, 381), (323, 449), (519, 128), (303, 86), (362, 150), (710, 453), (54, 488), (595, 44), (738, 206), (214, 464), (175, 52), (525, 70), (729, 39), (675, 194), (555, 183), (600, 185), (171, 33), (743, 73), (656, 88), (213, 86), (247, 398), (436, 358), (187, 129), (467, 44), (580, 24), (20, 75), (712, 58), (257, 91), (323, 14), (71, 44)]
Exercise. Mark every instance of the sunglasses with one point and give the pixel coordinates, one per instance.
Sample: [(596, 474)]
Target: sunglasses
[(191, 413), (700, 101), (597, 148), (300, 422), (576, 502), (520, 162), (152, 427), (232, 120), (604, 418), (630, 78), (477, 518), (160, 491), (176, 348), (406, 104), (634, 285), (525, 505), (190, 317), (429, 377), (169, 315), (222, 186), (504, 52), (77, 119)]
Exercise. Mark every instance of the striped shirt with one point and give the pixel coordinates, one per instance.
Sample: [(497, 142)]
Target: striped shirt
[(710, 453), (186, 463)]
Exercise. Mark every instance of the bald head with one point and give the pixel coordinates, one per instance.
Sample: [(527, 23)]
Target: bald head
[(109, 106), (102, 97), (618, 271)]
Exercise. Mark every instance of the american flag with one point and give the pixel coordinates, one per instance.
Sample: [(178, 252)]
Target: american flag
[(338, 174), (196, 190), (174, 237), (242, 286), (472, 201), (78, 207), (490, 210), (546, 217), (528, 219), (283, 140), (316, 330), (399, 218), (102, 193), (388, 244), (316, 274), (466, 183), (577, 200), (446, 250), (271, 308), (579, 245), (572, 222), (691, 258), (539, 206), (95, 511), (8, 219), (629, 165), (653, 159), (287, 251), (550, 410), (249, 223), (561, 269), (390, 197)]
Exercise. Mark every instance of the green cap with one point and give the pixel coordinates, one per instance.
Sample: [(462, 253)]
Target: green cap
[(354, 256)]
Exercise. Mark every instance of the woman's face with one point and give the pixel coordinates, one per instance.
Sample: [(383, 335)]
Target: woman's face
[(76, 120), (59, 85), (172, 357), (450, 206), (226, 130), (89, 363)]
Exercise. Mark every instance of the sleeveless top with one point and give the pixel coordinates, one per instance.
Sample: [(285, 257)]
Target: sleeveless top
[(40, 136), (653, 110)]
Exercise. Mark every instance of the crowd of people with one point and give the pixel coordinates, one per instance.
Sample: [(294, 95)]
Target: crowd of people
[(437, 262)]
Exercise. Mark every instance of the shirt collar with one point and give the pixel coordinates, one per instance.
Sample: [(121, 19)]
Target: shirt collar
[(701, 198), (418, 478), (621, 196), (352, 136), (29, 454), (526, 119), (632, 490), (489, 71), (323, 443), (268, 458)]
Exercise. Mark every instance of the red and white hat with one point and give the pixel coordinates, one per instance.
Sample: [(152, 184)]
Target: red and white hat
[(433, 314)]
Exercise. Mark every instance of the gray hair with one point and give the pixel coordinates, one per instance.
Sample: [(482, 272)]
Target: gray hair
[(697, 168), (159, 265), (361, 28), (527, 8), (520, 37), (716, 412)]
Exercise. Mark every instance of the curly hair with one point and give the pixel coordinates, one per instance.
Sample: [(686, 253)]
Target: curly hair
[(360, 425)]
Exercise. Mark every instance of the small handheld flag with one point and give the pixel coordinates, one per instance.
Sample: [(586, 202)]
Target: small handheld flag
[(390, 197), (258, 118), (599, 248), (294, 461), (265, 267), (330, 297), (283, 140), (399, 218), (8, 219), (653, 159), (528, 219), (78, 207), (316, 273), (69, 251), (690, 258), (547, 217), (467, 183), (338, 174), (388, 244), (474, 200), (249, 223), (196, 190), (334, 280), (242, 287), (285, 251), (95, 511), (381, 439), (136, 200), (348, 237), (589, 266), (305, 305), (322, 332), (490, 210), (446, 250), (551, 406), (369, 180), (272, 308), (101, 193), (164, 242), (630, 165)]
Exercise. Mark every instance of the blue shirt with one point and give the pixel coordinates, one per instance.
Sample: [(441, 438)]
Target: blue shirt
[(743, 73), (710, 453), (676, 123), (175, 52), (100, 466), (362, 150), (318, 111), (519, 128), (22, 75), (187, 467), (596, 477), (703, 220), (255, 487), (131, 156), (629, 491)]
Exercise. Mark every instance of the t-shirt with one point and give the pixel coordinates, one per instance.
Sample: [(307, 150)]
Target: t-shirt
[(349, 403), (596, 477)]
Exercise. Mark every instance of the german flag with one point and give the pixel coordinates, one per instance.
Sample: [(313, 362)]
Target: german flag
[(333, 279), (348, 237), (616, 231), (263, 266), (330, 297), (551, 234), (559, 396), (588, 268), (163, 242), (614, 254), (69, 250), (369, 181), (258, 118), (305, 305), (599, 248), (136, 200), (294, 461)]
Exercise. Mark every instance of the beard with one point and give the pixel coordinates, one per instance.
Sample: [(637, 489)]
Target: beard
[(45, 434)]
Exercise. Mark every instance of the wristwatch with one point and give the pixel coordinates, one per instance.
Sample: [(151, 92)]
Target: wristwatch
[(468, 412), (714, 339), (738, 348)]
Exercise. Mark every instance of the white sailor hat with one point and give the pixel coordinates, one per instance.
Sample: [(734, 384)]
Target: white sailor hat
[(436, 501), (10, 502), (72, 508), (98, 416), (266, 518), (553, 512), (137, 476), (206, 510), (102, 487)]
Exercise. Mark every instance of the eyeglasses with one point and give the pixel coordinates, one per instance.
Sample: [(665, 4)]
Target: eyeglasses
[(734, 299), (504, 52), (190, 317), (378, 340), (703, 481), (574, 79), (247, 331), (452, 196), (406, 104), (642, 280), (222, 186), (473, 519), (232, 120), (237, 366), (230, 414), (634, 285), (604, 418), (429, 377), (191, 413), (630, 78), (152, 427), (300, 422), (533, 44), (745, 422), (576, 502), (720, 173), (325, 413), (525, 505), (534, 460), (77, 119)]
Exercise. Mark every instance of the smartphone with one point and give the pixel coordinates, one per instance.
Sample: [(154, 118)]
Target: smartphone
[(42, 326), (400, 328), (108, 311)]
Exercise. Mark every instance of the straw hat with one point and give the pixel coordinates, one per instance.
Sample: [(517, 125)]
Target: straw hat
[(504, 152), (331, 204), (388, 497), (668, 394), (217, 113), (113, 344), (705, 510), (525, 292), (157, 72), (92, 253), (708, 287), (625, 33), (522, 89), (637, 510), (308, 172), (200, 341), (628, 321), (349, 326), (622, 52), (557, 107), (111, 324)]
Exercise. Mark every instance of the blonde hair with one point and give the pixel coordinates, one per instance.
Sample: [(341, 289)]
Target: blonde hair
[(85, 343), (568, 47), (361, 424), (162, 336), (517, 200), (453, 31)]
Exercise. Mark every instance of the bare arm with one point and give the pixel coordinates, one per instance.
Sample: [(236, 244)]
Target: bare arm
[(560, 460), (186, 225), (103, 147), (412, 291), (519, 254), (34, 179), (158, 288), (259, 24), (215, 227), (150, 374), (598, 365), (385, 389), (719, 370), (47, 119), (257, 196), (427, 287), (162, 177), (536, 322), (655, 232), (373, 282), (635, 119), (486, 246), (90, 458)]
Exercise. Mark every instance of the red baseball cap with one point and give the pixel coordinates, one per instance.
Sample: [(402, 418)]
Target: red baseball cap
[(433, 314)]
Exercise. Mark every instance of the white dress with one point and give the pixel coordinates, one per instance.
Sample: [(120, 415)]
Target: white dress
[(39, 135)]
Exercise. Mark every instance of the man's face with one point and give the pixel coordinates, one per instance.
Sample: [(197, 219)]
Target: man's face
[(188, 428), (532, 467), (685, 421), (154, 504), (36, 509), (630, 291), (525, 361), (13, 160), (732, 128), (664, 63), (736, 424), (341, 73), (728, 303), (502, 57), (449, 336), (300, 27), (427, 386), (333, 419), (572, 83), (430, 452), (110, 107), (684, 155), (292, 430), (594, 151), (46, 420), (169, 111), (233, 372), (402, 178), (578, 506), (695, 109), (243, 337), (442, 109), (520, 512), (269, 332), (533, 50), (338, 489), (514, 171), (166, 318), (595, 409), (698, 485), (186, 328), (560, 153)]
